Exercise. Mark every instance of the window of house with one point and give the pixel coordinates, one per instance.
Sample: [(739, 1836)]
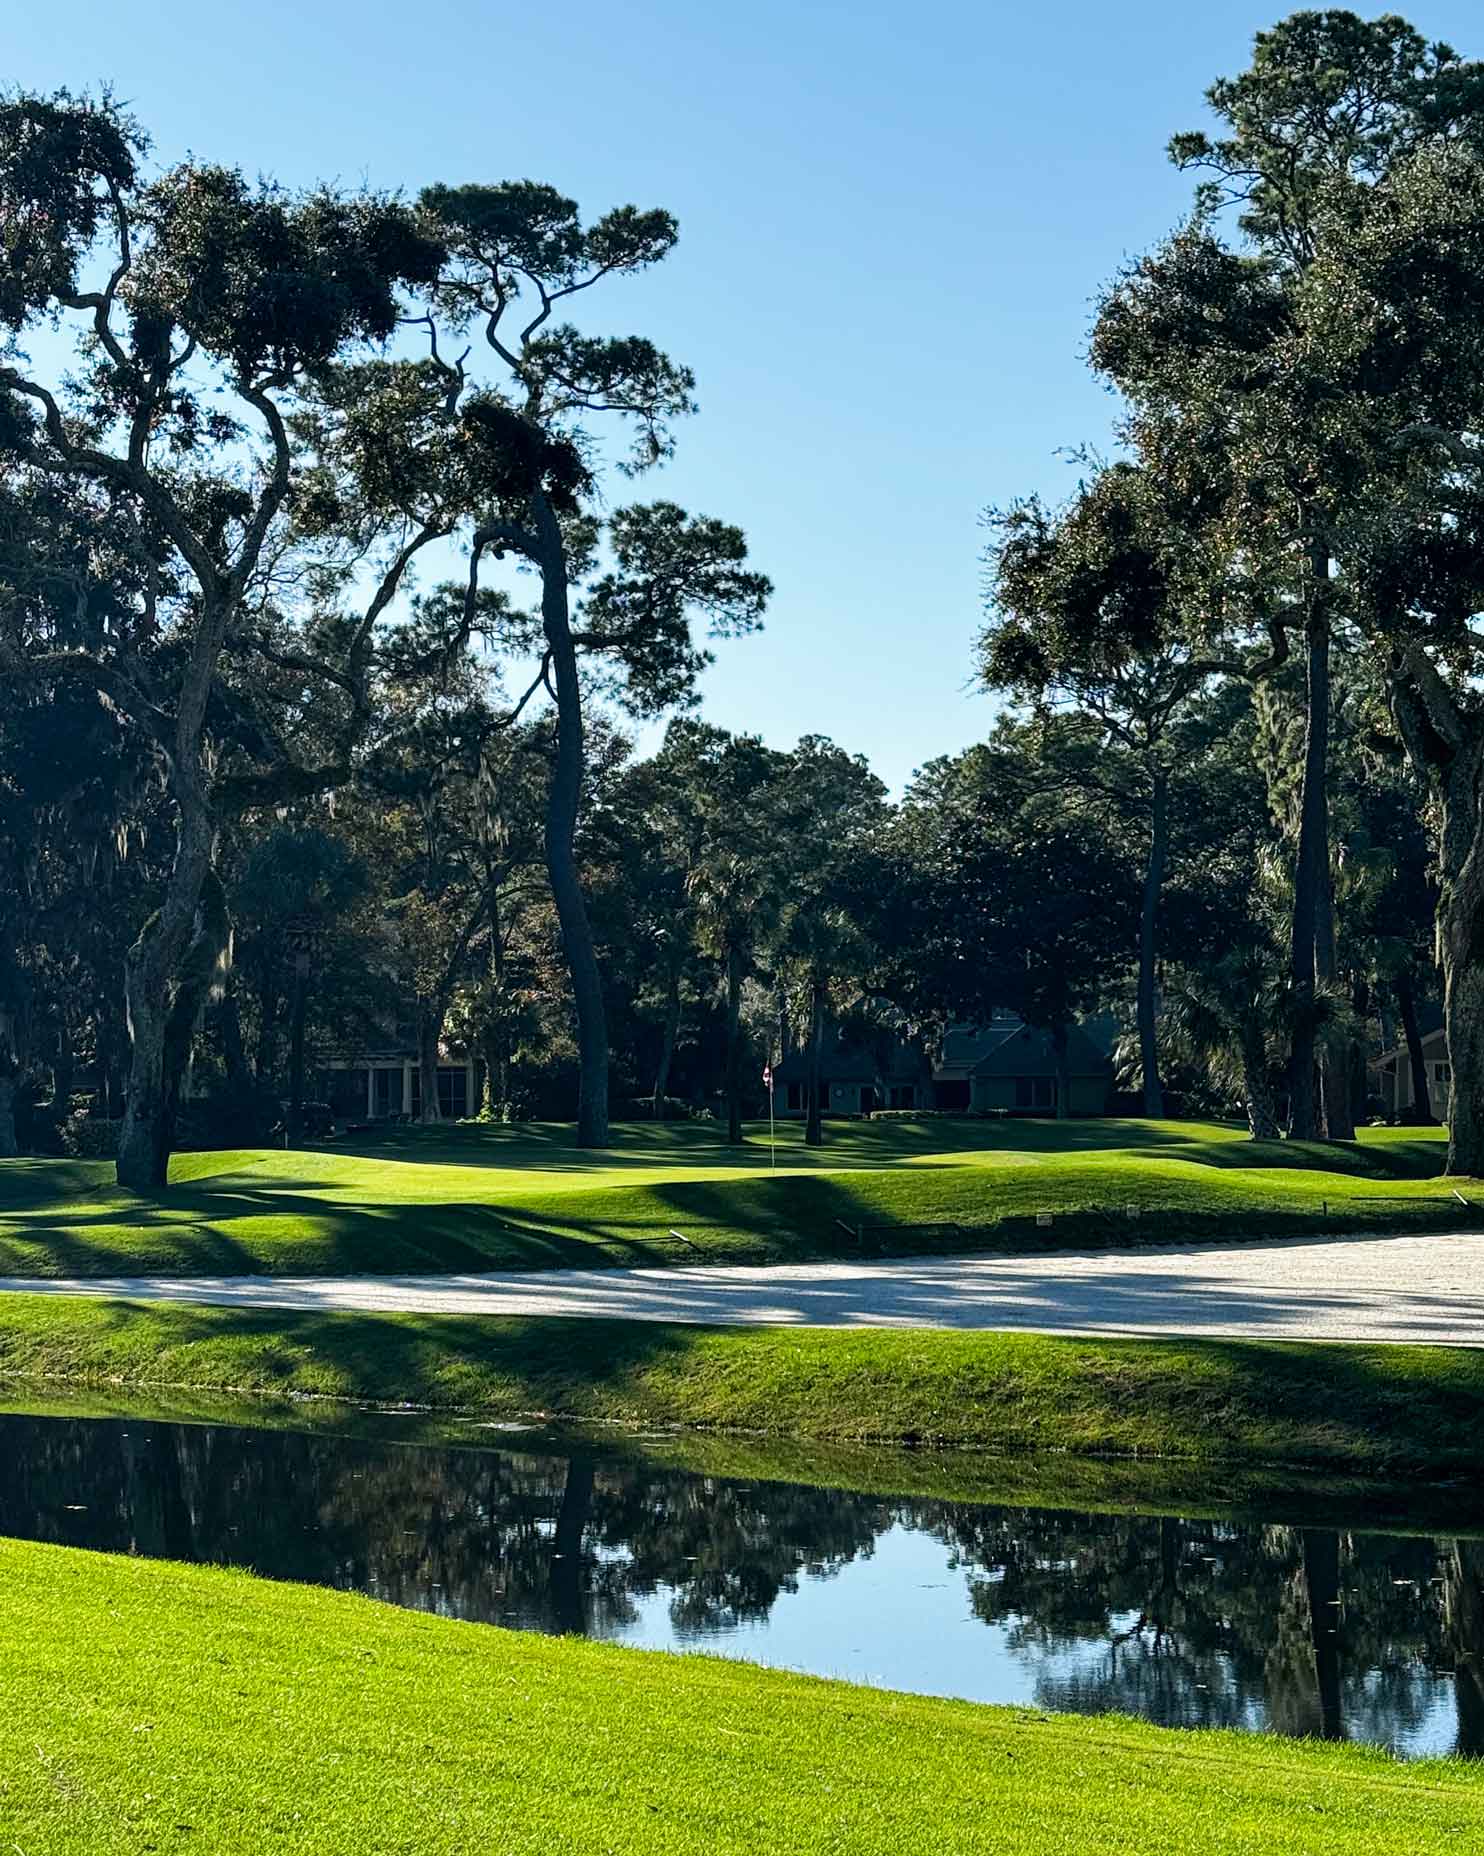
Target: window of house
[(1442, 1073), (794, 1100), (453, 1094), (904, 1095), (1035, 1092)]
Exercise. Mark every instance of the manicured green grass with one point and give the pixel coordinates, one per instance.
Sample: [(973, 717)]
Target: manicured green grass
[(526, 1198), (1374, 1410), (148, 1707)]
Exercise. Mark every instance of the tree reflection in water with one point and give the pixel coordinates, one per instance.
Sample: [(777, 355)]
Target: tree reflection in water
[(1229, 1622)]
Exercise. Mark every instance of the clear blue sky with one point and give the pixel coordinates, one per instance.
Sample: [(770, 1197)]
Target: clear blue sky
[(894, 220)]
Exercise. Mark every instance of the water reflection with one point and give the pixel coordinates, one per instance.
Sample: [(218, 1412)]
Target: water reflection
[(1230, 1622)]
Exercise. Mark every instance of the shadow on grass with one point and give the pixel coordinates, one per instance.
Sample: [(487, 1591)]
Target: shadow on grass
[(1404, 1411), (548, 1146), (1390, 1160), (232, 1225), (191, 1233)]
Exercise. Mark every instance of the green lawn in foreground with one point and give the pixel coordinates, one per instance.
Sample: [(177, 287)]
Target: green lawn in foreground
[(148, 1707), (1370, 1410), (515, 1198)]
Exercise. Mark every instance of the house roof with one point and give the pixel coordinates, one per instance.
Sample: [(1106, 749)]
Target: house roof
[(1021, 1051), (846, 1063), (966, 1045), (1007, 1047), (1434, 1042)]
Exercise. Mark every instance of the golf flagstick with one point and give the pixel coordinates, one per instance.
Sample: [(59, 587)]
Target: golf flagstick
[(772, 1130)]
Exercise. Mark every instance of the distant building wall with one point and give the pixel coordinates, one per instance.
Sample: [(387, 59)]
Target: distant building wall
[(1036, 1095), (1390, 1078)]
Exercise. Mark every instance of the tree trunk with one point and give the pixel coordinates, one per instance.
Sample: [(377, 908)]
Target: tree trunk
[(296, 1051), (1334, 1056), (1461, 950), (1446, 745), (671, 1034), (1159, 835), (1463, 1018), (1406, 1005), (1463, 1610), (150, 977), (1063, 1080), (229, 1019), (1312, 863), (1356, 1079), (814, 1120), (1262, 1115), (496, 1072), (144, 1102), (1321, 1562), (265, 1060), (429, 1032), (568, 1610), (734, 1044), (9, 1147), (564, 798)]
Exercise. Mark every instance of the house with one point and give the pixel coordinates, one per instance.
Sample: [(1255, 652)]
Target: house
[(1017, 1072), (1389, 1076), (964, 1046), (853, 1081), (1003, 1066), (385, 1083)]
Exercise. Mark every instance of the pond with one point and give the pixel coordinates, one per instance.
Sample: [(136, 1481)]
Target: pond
[(1249, 1622)]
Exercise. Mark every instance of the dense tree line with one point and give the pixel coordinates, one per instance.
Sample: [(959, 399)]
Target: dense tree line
[(324, 644)]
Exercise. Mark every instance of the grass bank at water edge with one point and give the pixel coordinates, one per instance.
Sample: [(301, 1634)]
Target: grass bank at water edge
[(158, 1708), (1364, 1409)]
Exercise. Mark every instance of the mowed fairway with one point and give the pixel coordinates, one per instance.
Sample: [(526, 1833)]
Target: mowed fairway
[(475, 1198), (148, 1707)]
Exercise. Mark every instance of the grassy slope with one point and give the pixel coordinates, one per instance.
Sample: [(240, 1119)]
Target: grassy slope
[(1358, 1409), (146, 1707), (526, 1198)]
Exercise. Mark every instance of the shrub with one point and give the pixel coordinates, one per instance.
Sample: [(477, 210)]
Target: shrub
[(85, 1137), (938, 1114), (641, 1108), (228, 1117)]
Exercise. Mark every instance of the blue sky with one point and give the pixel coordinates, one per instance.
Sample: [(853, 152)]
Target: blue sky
[(894, 221)]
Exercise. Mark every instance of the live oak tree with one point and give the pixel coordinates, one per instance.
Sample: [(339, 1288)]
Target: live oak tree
[(1408, 353), (1207, 339), (202, 308), (1089, 625), (519, 255)]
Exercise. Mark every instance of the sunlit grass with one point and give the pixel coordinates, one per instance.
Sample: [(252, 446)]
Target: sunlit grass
[(464, 1199), (1356, 1409), (149, 1707)]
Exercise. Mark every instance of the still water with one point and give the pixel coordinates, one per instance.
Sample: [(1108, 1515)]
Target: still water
[(1340, 1633)]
